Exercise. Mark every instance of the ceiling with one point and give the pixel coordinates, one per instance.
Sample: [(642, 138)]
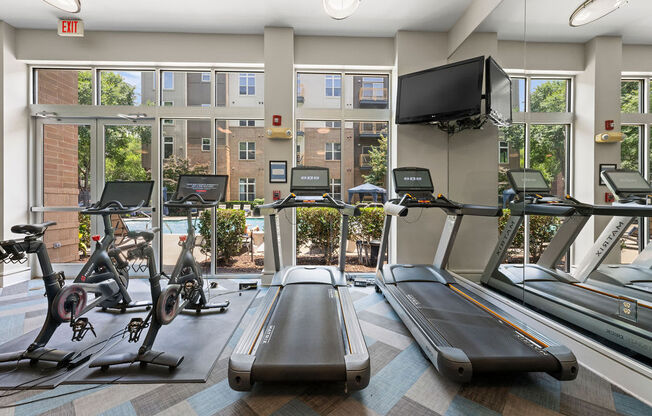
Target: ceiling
[(373, 17), (547, 20)]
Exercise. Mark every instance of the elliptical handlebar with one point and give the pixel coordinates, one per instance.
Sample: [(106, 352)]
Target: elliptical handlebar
[(191, 201), (112, 207)]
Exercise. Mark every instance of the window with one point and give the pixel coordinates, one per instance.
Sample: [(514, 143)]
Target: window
[(503, 152), (630, 146), (630, 96), (548, 95), (206, 144), (247, 123), (518, 95), (168, 147), (168, 103), (247, 189), (365, 159), (333, 85), (336, 188), (333, 151), (373, 88), (205, 77), (168, 80), (247, 84), (168, 122), (247, 151), (62, 86), (125, 88), (333, 124)]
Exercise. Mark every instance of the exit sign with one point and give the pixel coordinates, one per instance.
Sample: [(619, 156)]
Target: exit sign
[(71, 28)]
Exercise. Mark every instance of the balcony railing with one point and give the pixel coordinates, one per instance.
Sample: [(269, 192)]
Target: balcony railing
[(365, 160), (372, 129), (371, 95)]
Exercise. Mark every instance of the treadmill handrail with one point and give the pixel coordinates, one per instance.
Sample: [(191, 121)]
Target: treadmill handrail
[(320, 201), (400, 207)]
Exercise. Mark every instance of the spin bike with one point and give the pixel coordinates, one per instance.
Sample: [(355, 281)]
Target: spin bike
[(104, 275), (185, 288)]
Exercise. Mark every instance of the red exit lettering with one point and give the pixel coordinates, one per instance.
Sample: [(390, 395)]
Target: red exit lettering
[(69, 26)]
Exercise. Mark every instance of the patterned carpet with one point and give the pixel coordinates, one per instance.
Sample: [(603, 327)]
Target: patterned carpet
[(403, 381)]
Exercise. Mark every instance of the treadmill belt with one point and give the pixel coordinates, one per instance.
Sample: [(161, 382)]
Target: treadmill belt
[(490, 344), (303, 339), (591, 300)]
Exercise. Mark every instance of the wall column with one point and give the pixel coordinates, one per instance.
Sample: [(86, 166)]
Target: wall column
[(279, 99)]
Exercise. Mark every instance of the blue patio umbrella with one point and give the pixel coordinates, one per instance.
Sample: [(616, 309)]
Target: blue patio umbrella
[(368, 189)]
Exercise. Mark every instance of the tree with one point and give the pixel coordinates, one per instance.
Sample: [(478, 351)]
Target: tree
[(378, 163), (630, 96)]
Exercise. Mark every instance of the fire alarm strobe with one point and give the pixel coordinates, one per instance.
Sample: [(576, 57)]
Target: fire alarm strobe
[(276, 120)]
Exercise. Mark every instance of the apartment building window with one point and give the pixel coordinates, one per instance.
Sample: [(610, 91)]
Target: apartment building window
[(247, 189), (168, 80), (333, 151), (373, 87), (247, 150), (336, 188), (333, 124), (247, 123), (503, 152), (168, 147), (206, 144), (205, 77), (168, 103), (168, 122), (247, 84), (333, 85)]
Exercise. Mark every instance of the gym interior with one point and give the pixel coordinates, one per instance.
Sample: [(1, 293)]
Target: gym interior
[(325, 207)]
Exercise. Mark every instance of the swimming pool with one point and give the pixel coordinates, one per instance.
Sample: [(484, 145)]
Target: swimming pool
[(178, 225)]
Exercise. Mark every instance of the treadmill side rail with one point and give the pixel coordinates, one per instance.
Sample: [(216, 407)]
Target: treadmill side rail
[(357, 360), (568, 362)]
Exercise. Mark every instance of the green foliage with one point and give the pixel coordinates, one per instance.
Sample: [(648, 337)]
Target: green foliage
[(378, 163), (84, 233), (542, 230), (124, 154), (629, 147), (368, 225), (174, 166), (548, 150), (319, 228), (630, 93), (230, 225), (549, 96)]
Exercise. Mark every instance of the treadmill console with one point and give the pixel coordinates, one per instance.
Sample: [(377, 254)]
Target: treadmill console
[(415, 181), (309, 180), (527, 181), (626, 183)]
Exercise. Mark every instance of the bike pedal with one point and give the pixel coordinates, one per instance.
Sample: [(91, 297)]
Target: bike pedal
[(80, 328), (135, 328)]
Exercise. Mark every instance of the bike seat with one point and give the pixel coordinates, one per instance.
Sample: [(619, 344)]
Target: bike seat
[(32, 228), (147, 235)]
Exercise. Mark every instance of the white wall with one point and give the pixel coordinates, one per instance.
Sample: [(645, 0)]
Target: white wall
[(541, 56), (14, 179)]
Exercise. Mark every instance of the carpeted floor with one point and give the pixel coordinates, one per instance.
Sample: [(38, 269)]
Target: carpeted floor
[(403, 381)]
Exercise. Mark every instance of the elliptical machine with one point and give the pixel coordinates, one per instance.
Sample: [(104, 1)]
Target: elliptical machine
[(99, 275), (185, 289)]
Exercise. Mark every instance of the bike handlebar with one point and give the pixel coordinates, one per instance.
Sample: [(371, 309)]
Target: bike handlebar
[(186, 202), (112, 207)]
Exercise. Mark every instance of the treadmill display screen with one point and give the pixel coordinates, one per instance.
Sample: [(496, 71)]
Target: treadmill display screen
[(527, 180), (627, 181), (413, 179), (210, 187), (129, 194), (312, 179)]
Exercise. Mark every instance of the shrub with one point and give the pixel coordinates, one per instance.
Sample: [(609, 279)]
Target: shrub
[(542, 230), (319, 227), (230, 225), (84, 234), (369, 225)]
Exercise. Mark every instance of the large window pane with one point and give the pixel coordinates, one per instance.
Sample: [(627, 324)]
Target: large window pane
[(188, 140), (630, 96), (63, 86), (548, 146), (191, 89), (240, 154), (365, 91), (319, 90), (511, 153), (239, 89), (127, 88), (518, 94), (629, 148), (67, 182), (548, 95)]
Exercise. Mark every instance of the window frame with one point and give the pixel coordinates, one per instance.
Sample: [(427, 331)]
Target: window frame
[(247, 150), (333, 152), (163, 87), (247, 182), (248, 76), (332, 78), (165, 144), (203, 143), (202, 77)]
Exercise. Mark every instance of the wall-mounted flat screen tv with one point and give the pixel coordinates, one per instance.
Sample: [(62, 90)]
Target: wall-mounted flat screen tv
[(443, 93), (498, 99)]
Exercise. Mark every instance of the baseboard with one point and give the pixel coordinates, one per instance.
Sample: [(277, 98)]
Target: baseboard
[(12, 277)]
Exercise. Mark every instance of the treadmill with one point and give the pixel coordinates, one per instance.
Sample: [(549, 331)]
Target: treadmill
[(305, 328), (621, 319), (462, 334), (635, 279)]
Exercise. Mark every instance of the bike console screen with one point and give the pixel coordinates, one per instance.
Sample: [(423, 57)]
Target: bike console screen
[(128, 193), (309, 180), (210, 187), (415, 180)]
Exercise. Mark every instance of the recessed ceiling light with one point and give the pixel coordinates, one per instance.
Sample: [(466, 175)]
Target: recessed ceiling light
[(591, 10), (340, 9), (70, 6)]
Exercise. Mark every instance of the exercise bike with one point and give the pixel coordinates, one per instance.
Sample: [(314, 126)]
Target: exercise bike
[(185, 289), (99, 275)]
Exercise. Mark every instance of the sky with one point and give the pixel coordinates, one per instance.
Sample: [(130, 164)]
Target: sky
[(133, 78)]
